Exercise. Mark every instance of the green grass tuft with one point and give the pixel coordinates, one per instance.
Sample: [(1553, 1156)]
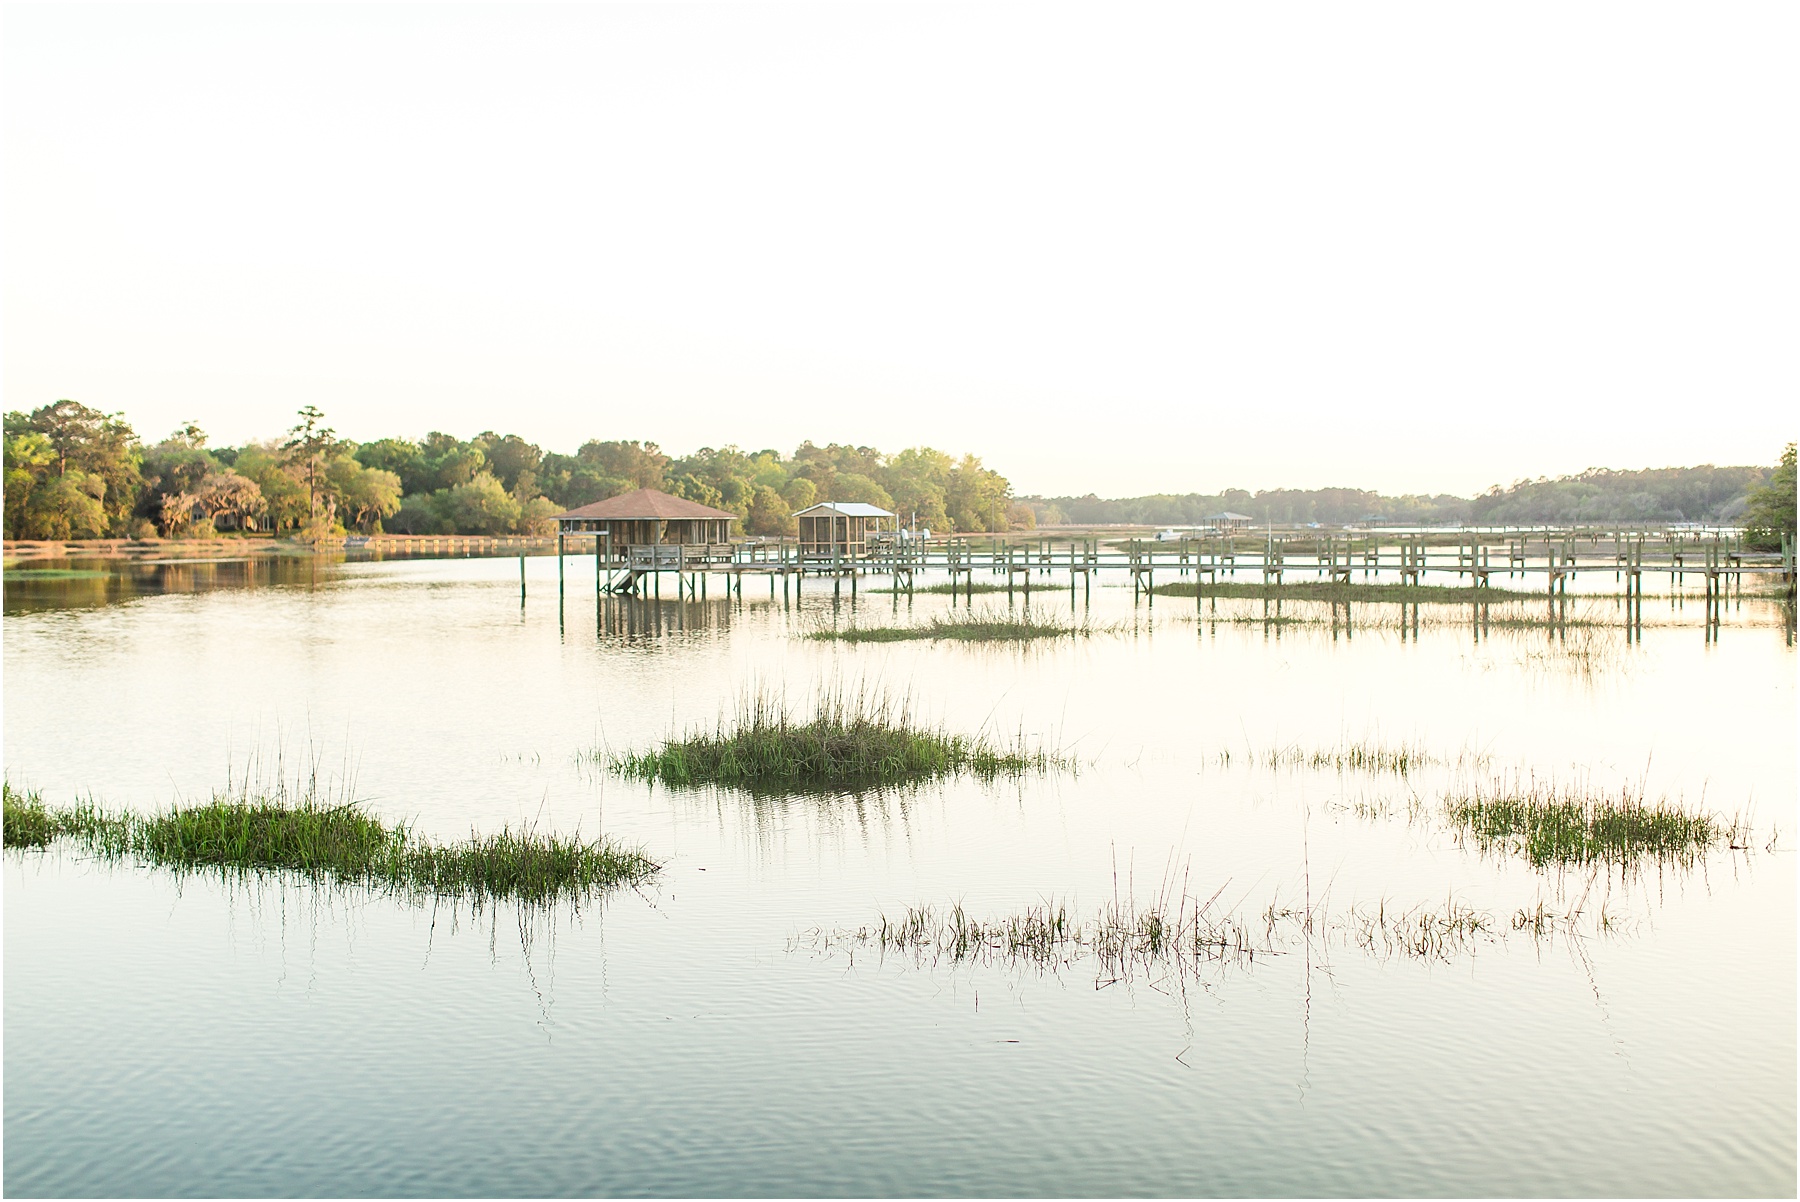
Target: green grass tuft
[(1549, 826), (523, 865), (845, 743), (27, 822), (311, 838)]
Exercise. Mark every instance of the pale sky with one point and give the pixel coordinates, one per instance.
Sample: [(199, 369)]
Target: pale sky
[(1112, 248)]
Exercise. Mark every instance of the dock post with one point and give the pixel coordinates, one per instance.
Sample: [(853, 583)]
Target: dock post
[(521, 578)]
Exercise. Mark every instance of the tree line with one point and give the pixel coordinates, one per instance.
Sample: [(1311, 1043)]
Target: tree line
[(1674, 494), (75, 472)]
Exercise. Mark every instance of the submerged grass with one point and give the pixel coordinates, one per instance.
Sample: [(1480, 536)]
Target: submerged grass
[(1511, 618), (335, 841), (1121, 937), (1550, 825), (1170, 937), (845, 742), (53, 573), (1366, 756), (974, 628), (945, 588)]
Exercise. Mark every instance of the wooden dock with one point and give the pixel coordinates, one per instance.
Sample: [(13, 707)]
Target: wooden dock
[(1551, 558)]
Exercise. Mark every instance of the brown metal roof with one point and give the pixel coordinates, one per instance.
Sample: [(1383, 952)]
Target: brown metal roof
[(647, 504)]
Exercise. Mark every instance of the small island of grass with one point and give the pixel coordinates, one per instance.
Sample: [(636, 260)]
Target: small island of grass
[(337, 842), (846, 743), (1549, 826)]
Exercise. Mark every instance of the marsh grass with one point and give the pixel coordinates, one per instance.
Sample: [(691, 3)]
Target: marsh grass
[(847, 741), (1171, 936), (1263, 620), (944, 588), (12, 573), (1367, 756), (1443, 932), (1015, 630), (27, 822), (335, 841), (1325, 590), (523, 865), (1121, 938), (1549, 825), (973, 628), (1587, 654), (1516, 619)]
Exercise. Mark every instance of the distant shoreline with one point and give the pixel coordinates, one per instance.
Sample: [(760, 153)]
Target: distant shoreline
[(226, 547)]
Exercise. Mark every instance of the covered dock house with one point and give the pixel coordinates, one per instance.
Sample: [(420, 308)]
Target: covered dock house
[(648, 531), (649, 518), (842, 529)]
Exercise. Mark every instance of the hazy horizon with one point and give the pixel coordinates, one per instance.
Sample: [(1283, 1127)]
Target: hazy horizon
[(1154, 250)]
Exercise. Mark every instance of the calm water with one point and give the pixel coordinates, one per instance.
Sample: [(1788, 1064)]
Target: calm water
[(195, 1036)]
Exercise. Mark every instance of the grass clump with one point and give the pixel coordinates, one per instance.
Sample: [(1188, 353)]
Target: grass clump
[(846, 742), (340, 842), (976, 628), (245, 832), (27, 822), (1549, 826), (523, 865)]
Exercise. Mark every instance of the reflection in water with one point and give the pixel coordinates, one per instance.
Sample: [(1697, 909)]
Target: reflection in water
[(645, 621), (299, 916), (771, 822), (87, 583)]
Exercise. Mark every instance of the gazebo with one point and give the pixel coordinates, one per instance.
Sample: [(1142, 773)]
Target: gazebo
[(841, 529), (649, 518)]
